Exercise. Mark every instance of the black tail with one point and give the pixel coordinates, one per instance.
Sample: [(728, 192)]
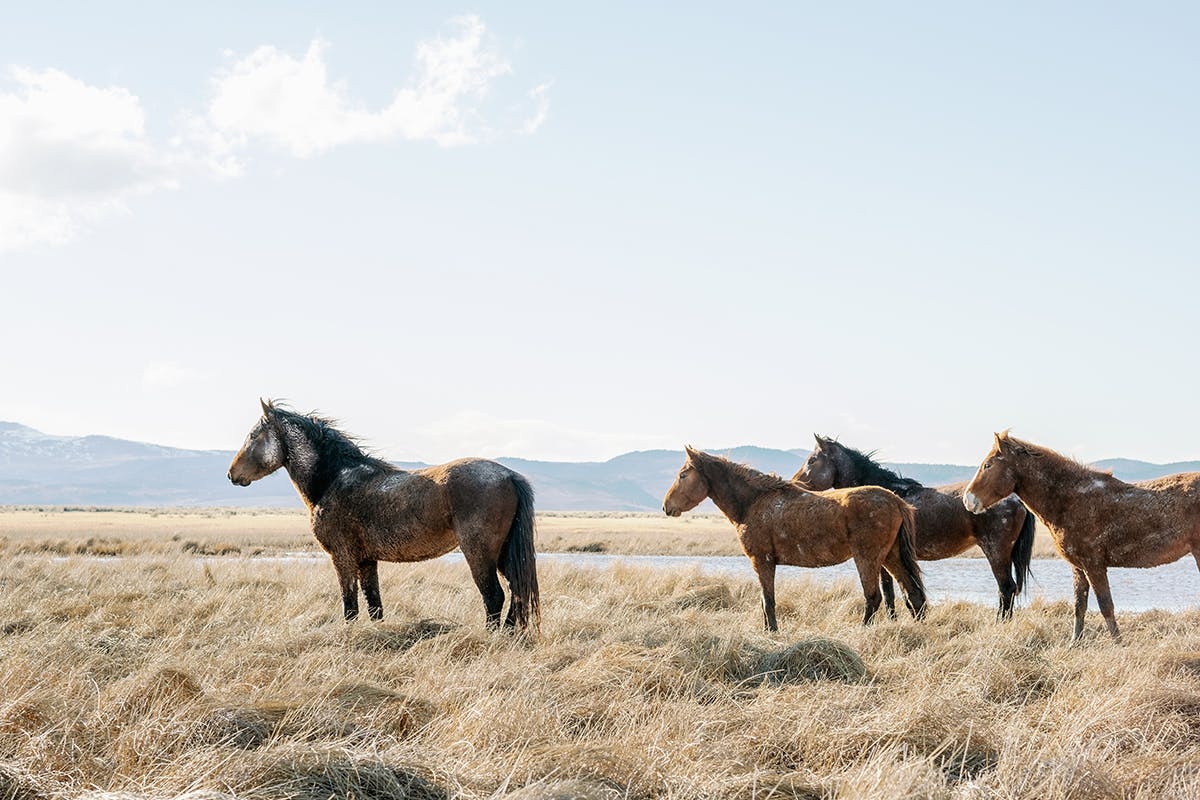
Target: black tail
[(518, 561), (907, 538), (1023, 551)]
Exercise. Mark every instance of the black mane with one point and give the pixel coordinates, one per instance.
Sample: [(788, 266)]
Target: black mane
[(335, 450), (873, 473)]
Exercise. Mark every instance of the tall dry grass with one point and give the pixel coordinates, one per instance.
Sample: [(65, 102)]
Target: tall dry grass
[(177, 676)]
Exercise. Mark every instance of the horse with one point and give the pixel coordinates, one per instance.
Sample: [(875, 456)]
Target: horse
[(779, 522), (1004, 532), (1096, 520), (364, 510)]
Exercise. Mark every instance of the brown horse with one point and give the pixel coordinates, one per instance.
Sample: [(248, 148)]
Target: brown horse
[(779, 522), (1097, 521), (364, 510), (1004, 532)]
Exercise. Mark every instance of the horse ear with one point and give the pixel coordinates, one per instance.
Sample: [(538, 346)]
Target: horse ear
[(691, 451), (267, 408)]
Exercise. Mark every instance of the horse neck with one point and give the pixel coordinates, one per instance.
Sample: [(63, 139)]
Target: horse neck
[(846, 474), (850, 473), (301, 463), (728, 491), (1049, 485)]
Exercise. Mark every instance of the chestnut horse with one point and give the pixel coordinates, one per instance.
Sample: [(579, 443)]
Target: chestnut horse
[(1004, 532), (778, 522), (364, 510), (1096, 520)]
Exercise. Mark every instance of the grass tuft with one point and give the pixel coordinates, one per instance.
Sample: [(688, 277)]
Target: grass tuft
[(812, 659)]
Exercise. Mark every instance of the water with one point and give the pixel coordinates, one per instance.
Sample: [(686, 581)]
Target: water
[(1172, 587)]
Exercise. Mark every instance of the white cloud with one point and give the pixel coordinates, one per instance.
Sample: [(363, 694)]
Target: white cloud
[(72, 153), (69, 153), (274, 97)]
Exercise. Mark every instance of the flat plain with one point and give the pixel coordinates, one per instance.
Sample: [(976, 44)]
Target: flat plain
[(216, 531)]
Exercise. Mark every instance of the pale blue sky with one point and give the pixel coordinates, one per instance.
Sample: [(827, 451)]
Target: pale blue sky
[(907, 226)]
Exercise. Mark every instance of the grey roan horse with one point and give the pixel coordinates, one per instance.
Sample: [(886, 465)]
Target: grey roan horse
[(364, 510)]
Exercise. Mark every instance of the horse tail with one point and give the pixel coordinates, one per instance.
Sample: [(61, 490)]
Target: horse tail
[(518, 561), (906, 538), (1023, 550)]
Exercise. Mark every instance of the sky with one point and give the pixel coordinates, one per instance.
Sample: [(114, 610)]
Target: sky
[(557, 232)]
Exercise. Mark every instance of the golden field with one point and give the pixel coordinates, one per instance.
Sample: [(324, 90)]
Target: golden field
[(164, 674)]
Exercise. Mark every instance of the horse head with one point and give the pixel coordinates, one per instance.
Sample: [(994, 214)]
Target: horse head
[(263, 452), (819, 472), (689, 489), (995, 479)]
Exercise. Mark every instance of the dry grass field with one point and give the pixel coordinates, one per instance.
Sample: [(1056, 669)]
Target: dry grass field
[(257, 532), (157, 676), (189, 667)]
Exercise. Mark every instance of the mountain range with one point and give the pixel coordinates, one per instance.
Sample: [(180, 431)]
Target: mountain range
[(42, 469)]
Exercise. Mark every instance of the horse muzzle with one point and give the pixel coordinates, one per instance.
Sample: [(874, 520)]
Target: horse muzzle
[(237, 481), (973, 504)]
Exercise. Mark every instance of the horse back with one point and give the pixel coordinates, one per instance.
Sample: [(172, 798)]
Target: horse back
[(478, 491), (1186, 483)]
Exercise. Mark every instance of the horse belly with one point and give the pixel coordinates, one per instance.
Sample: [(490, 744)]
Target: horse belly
[(412, 545), (799, 551)]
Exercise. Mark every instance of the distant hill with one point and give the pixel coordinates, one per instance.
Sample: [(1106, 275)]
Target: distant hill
[(42, 469)]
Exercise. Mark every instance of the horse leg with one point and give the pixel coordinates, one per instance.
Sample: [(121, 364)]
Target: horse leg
[(368, 576), (347, 573), (1002, 571), (1099, 580), (889, 592), (483, 570), (1081, 595), (870, 576), (764, 567)]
